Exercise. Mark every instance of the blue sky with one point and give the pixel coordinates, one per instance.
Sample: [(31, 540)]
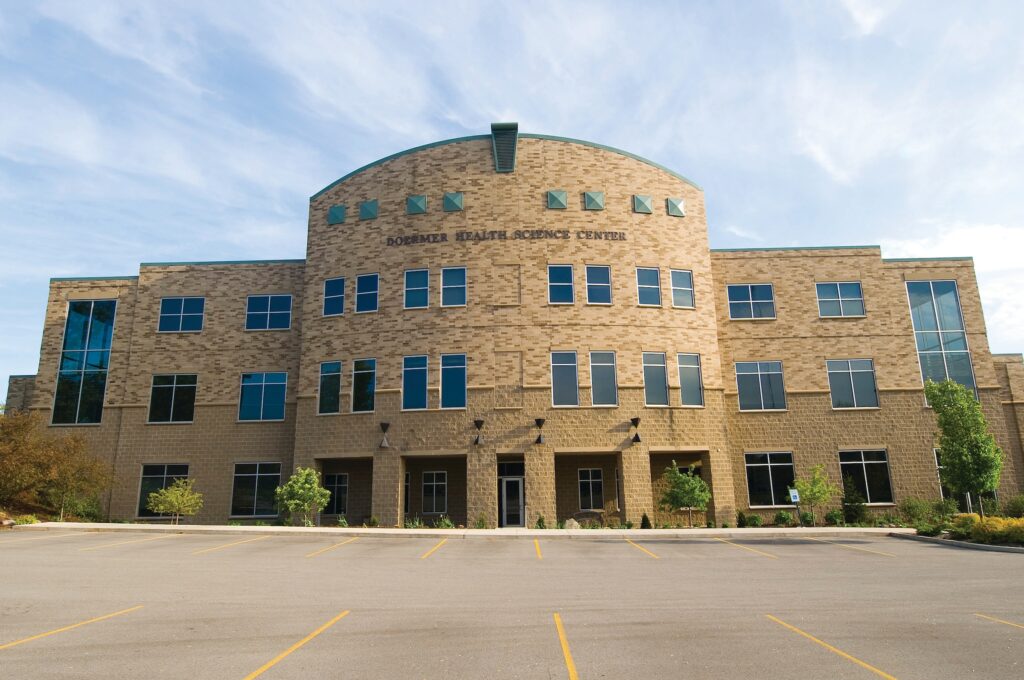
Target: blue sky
[(198, 130)]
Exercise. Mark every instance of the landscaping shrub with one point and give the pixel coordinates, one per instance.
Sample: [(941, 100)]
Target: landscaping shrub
[(741, 520), (444, 522), (413, 523), (481, 522), (960, 528), (372, 521), (854, 511), (540, 522), (629, 525), (342, 521), (1000, 530), (926, 529), (26, 519), (945, 509), (834, 517), (807, 519), (1014, 506), (783, 518), (645, 522), (754, 521), (916, 510)]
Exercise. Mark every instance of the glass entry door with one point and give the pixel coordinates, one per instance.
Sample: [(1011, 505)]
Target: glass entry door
[(512, 506)]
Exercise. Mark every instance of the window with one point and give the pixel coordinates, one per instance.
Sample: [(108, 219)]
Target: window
[(435, 492), (156, 478), (453, 287), (453, 381), (253, 492), (414, 383), (560, 291), (330, 388), (181, 314), (604, 390), (172, 399), (599, 285), (262, 396), (364, 384), (769, 478), (337, 484), (82, 376), (852, 383), (682, 288), (564, 379), (417, 288), (691, 386), (840, 299), (939, 331), (655, 379), (334, 296), (751, 301), (648, 286), (867, 472), (268, 312), (367, 286), (591, 489), (760, 385)]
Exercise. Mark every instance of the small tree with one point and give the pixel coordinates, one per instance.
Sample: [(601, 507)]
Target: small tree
[(74, 475), (302, 494), (817, 490), (179, 499), (972, 462), (684, 490)]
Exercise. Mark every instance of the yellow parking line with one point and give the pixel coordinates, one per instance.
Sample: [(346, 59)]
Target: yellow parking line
[(569, 665), (36, 538), (330, 547), (832, 649), (753, 550), (74, 625), (262, 669), (536, 546), (228, 545), (990, 618), (640, 547), (135, 540), (850, 547), (431, 551)]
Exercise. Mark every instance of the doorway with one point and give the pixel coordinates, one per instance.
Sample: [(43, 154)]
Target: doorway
[(511, 494)]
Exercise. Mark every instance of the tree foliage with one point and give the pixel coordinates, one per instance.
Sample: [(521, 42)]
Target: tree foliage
[(178, 500), (972, 462), (817, 490), (684, 490), (302, 495)]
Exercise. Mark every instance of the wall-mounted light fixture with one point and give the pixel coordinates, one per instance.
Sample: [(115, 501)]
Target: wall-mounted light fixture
[(479, 424), (636, 438), (635, 422), (384, 429), (540, 426)]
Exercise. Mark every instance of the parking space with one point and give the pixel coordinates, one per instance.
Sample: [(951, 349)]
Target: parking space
[(131, 604)]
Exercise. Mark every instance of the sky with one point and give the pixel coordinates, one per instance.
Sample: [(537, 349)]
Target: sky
[(161, 131)]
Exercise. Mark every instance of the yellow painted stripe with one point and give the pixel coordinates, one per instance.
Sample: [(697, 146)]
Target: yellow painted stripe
[(136, 540), (834, 650), (570, 666), (330, 547), (536, 546), (431, 551), (990, 618), (228, 545), (74, 625), (36, 538), (640, 547), (753, 550), (850, 547), (262, 669)]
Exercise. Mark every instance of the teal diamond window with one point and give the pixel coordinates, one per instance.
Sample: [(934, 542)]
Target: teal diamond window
[(642, 204), (336, 214), (368, 210), (675, 207), (416, 205), (452, 201), (558, 200), (593, 200)]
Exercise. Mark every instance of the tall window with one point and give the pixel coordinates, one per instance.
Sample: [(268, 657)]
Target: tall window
[(868, 473), (760, 385), (268, 312), (337, 484), (453, 381), (691, 385), (262, 396), (751, 301), (330, 388), (599, 284), (181, 314), (604, 389), (417, 288), (367, 286), (82, 377), (172, 398), (156, 478), (253, 492), (852, 383), (453, 287), (769, 478), (435, 492), (591, 489), (560, 290), (682, 288), (939, 330), (414, 383), (842, 298), (655, 379), (334, 296), (564, 379), (648, 286), (364, 384)]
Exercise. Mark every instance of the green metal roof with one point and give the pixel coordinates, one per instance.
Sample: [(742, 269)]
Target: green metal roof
[(924, 259), (745, 250), (93, 278), (218, 262)]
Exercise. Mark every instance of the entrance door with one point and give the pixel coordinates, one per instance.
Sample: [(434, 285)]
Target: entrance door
[(512, 510)]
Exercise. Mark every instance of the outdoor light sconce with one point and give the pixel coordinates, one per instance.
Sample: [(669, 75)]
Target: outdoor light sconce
[(540, 426), (635, 422), (384, 442), (636, 438), (479, 424)]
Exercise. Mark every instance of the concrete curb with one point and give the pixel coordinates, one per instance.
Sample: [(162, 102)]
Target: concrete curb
[(466, 533), (964, 545)]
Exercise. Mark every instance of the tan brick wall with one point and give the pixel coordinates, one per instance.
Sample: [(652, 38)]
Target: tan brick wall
[(19, 392)]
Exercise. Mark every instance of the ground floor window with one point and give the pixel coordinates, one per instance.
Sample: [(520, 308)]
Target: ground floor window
[(337, 484), (155, 478), (591, 489), (435, 492), (769, 477), (253, 491), (867, 472)]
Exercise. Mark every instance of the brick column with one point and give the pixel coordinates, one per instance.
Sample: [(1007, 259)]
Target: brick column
[(482, 486), (388, 484), (719, 477), (540, 484), (635, 463)]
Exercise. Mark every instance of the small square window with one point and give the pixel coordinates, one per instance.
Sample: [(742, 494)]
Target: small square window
[(838, 299), (268, 312), (593, 200), (560, 285), (334, 297), (181, 315), (368, 210), (367, 288), (453, 287), (643, 204), (336, 214), (751, 301), (557, 200), (675, 207), (648, 286), (599, 284), (416, 205), (417, 288), (452, 201)]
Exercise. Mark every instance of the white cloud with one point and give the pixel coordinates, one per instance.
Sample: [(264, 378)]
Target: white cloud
[(868, 14)]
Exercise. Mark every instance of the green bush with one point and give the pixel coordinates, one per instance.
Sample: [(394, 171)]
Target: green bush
[(540, 523), (945, 509), (806, 519), (916, 510), (999, 530), (783, 518), (560, 524), (234, 523), (26, 519), (725, 525), (709, 524), (834, 517), (444, 522), (926, 529), (754, 520), (645, 522), (342, 521), (960, 527), (854, 511), (741, 520), (1014, 506), (414, 522), (629, 525), (481, 522), (372, 521)]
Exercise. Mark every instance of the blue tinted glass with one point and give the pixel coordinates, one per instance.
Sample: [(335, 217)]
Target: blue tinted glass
[(191, 322), (560, 293), (334, 287), (647, 277), (193, 305), (682, 297), (928, 342), (564, 390), (655, 386), (416, 279), (334, 305), (773, 392), (453, 360), (366, 284), (853, 308), (560, 274), (414, 389), (740, 310), (828, 291), (101, 329), (72, 361), (256, 322), (599, 294), (252, 378), (650, 296), (682, 279), (864, 387), (330, 367), (258, 303), (415, 362), (170, 306), (416, 298), (829, 308), (597, 274), (275, 377), (761, 292), (281, 303), (453, 382), (960, 368), (764, 310), (453, 277), (739, 293), (249, 404), (948, 304), (563, 358), (453, 297), (849, 290), (365, 365), (955, 341), (97, 360), (279, 320), (749, 386), (922, 311), (366, 302), (273, 402), (170, 323)]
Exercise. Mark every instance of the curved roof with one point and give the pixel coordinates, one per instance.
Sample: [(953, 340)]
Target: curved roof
[(472, 138)]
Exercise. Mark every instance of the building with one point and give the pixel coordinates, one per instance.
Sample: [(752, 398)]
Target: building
[(511, 326)]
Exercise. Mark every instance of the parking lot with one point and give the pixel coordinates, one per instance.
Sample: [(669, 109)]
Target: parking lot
[(79, 604)]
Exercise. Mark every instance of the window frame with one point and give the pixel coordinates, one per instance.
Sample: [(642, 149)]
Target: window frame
[(750, 301), (352, 399), (664, 367), (165, 477), (771, 478), (673, 288), (700, 379), (375, 293), (940, 331), (840, 300), (181, 316), (406, 289), (661, 301), (333, 498), (435, 483), (615, 376), (576, 371), (863, 464), (234, 474), (174, 389), (465, 382), (263, 395), (587, 284), (760, 387), (270, 297), (590, 483), (853, 385), (426, 386), (464, 286), (320, 386), (326, 297), (81, 373), (571, 284)]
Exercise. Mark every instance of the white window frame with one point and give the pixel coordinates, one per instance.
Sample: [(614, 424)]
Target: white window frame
[(781, 371), (319, 386), (326, 297), (435, 483), (771, 478), (571, 284), (664, 366), (775, 306), (465, 384), (661, 300), (575, 365), (586, 284), (464, 286), (818, 300), (853, 386), (674, 288), (864, 463), (615, 376), (590, 483), (352, 395), (406, 288), (263, 397), (700, 378), (943, 351), (426, 384), (269, 296), (376, 294), (182, 315)]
